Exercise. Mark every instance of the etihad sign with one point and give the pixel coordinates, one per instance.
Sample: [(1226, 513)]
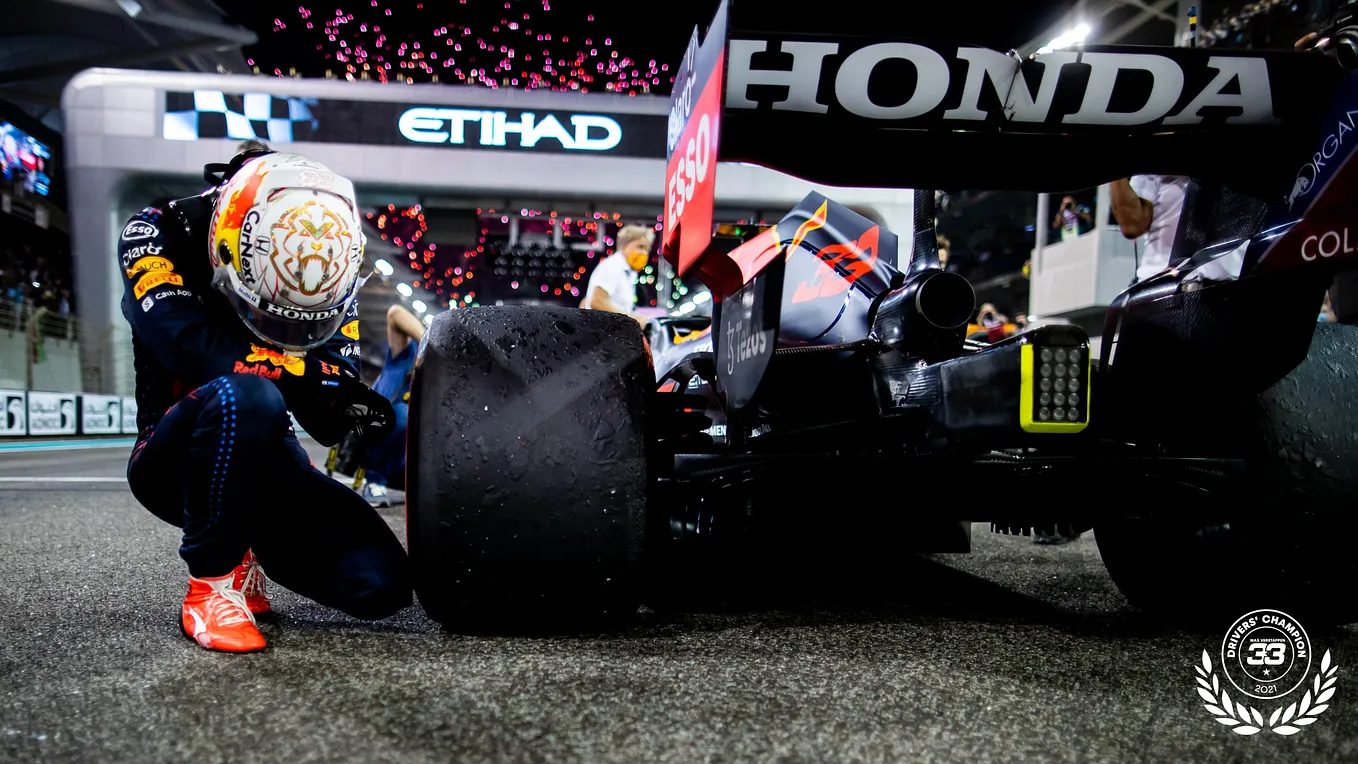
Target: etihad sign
[(491, 129)]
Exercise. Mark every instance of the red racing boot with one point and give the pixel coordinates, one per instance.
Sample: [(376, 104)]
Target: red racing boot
[(215, 616), (249, 580)]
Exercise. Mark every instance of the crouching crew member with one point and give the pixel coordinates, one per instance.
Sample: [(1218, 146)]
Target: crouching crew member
[(226, 342)]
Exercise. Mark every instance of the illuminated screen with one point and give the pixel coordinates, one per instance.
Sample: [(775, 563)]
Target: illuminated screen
[(24, 159)]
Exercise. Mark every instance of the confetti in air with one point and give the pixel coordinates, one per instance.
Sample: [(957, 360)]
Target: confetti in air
[(525, 45)]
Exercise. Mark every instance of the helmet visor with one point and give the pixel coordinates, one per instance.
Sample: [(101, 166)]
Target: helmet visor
[(286, 327)]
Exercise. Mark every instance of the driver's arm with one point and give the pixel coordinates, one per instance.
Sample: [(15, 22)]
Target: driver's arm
[(1131, 211), (402, 329)]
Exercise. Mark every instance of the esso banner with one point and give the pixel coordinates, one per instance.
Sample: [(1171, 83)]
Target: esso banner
[(101, 414), (13, 413), (52, 414), (694, 133)]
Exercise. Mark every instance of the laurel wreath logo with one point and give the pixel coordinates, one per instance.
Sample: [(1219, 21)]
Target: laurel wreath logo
[(1244, 720)]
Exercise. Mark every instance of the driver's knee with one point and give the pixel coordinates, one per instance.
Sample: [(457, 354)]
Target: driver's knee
[(251, 406), (376, 587)]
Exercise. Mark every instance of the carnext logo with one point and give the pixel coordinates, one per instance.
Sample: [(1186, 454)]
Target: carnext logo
[(588, 132)]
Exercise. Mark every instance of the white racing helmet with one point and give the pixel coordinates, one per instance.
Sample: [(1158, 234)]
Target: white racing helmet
[(287, 246)]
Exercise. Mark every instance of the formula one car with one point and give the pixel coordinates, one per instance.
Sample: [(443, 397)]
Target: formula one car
[(560, 458)]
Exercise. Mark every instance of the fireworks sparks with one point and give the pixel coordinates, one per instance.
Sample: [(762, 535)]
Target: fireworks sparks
[(524, 44), (451, 275)]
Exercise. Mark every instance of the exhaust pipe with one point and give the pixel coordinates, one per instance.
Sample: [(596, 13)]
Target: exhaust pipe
[(927, 315)]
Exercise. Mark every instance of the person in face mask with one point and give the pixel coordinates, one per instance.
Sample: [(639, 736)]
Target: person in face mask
[(613, 284)]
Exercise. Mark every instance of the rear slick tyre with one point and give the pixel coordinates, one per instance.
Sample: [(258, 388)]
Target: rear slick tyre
[(528, 479), (1281, 540)]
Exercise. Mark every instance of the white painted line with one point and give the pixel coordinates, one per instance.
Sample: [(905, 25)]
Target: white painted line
[(41, 479)]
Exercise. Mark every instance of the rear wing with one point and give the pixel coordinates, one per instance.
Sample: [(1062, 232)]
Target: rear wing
[(932, 113)]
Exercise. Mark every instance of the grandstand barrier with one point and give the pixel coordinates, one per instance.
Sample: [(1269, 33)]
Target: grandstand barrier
[(40, 349), (43, 414), (39, 413)]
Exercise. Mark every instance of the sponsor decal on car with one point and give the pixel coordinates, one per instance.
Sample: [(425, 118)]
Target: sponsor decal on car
[(1326, 154), (154, 279), (855, 259), (809, 86)]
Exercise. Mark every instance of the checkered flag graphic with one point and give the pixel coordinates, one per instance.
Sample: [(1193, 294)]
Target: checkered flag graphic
[(214, 114)]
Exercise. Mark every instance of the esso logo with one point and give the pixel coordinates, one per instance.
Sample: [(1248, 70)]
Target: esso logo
[(690, 169)]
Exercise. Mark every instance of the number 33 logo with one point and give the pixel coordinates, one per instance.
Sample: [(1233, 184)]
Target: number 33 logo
[(1267, 654)]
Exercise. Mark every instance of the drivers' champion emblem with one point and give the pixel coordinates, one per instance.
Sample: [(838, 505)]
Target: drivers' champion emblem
[(1266, 655)]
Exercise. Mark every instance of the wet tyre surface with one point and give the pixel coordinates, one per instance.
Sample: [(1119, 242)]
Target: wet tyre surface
[(527, 454)]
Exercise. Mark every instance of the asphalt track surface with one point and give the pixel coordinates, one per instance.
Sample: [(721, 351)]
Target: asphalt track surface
[(1013, 653)]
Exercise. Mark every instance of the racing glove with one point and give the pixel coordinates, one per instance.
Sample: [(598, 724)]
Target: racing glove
[(339, 403), (370, 416)]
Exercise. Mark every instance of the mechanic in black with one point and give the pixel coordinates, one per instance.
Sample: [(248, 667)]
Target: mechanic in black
[(226, 342)]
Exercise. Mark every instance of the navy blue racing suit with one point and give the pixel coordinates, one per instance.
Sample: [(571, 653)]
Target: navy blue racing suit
[(216, 453)]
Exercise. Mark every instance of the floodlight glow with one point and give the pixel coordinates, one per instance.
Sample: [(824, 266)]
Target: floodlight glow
[(1075, 36)]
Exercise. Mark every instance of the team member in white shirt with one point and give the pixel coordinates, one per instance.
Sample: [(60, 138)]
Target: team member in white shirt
[(613, 284), (1150, 205)]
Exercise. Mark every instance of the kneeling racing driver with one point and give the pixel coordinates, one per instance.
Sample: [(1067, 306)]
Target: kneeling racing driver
[(225, 343)]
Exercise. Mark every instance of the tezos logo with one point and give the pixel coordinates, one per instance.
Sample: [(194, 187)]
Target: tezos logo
[(138, 230), (743, 344), (1266, 655)]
